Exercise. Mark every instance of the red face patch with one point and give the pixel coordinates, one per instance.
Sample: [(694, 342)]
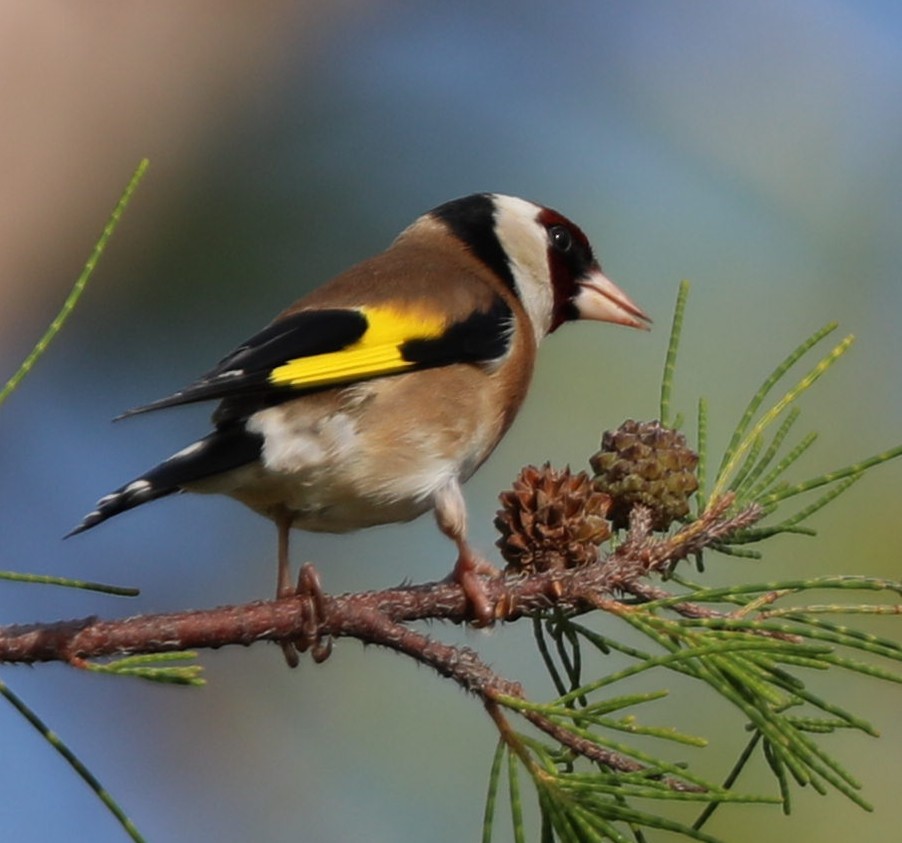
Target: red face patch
[(569, 259)]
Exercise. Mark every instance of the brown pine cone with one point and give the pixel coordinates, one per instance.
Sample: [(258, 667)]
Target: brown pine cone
[(551, 520)]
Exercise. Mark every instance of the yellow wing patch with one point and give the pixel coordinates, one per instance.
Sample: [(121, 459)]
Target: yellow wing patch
[(377, 352)]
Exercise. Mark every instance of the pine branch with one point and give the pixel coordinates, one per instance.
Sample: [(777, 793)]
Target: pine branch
[(311, 615), (312, 619)]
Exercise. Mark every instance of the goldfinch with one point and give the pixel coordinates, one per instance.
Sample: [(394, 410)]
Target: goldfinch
[(373, 398)]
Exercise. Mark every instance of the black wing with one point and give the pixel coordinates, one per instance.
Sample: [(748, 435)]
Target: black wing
[(316, 349)]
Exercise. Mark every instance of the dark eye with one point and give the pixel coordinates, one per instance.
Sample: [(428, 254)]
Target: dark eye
[(561, 238)]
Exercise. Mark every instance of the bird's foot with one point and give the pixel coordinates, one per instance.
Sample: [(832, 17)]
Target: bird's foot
[(310, 588), (469, 573)]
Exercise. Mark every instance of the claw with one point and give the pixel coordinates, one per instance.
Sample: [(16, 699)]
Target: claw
[(468, 573)]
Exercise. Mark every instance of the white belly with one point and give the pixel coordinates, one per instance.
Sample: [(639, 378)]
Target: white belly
[(343, 461)]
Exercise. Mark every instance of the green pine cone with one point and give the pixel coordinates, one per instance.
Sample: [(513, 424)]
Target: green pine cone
[(647, 463)]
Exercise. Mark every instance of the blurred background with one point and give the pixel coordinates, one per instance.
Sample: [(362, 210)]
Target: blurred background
[(755, 149)]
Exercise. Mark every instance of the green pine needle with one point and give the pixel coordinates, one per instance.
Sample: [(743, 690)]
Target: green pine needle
[(756, 492), (741, 763), (738, 552), (761, 394), (701, 469), (791, 524), (80, 284), (73, 761), (832, 476), (491, 798), (516, 802), (148, 667), (748, 464), (44, 579), (672, 348), (547, 658), (740, 443), (741, 487)]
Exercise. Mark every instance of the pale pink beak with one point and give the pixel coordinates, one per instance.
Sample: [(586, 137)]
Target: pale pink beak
[(601, 299)]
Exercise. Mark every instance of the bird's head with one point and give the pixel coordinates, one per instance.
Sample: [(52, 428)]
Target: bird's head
[(543, 257)]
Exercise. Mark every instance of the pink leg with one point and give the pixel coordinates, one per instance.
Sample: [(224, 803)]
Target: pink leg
[(451, 515), (284, 586)]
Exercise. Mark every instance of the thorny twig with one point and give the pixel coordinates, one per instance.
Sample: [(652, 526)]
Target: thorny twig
[(384, 618)]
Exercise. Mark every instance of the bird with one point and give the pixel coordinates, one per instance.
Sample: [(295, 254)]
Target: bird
[(373, 398)]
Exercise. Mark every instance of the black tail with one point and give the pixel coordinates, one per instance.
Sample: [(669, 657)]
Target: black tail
[(224, 449)]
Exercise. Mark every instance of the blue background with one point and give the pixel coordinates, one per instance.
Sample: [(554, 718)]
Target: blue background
[(753, 148)]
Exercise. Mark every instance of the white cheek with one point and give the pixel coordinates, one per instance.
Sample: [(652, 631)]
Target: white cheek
[(537, 300), (525, 243)]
